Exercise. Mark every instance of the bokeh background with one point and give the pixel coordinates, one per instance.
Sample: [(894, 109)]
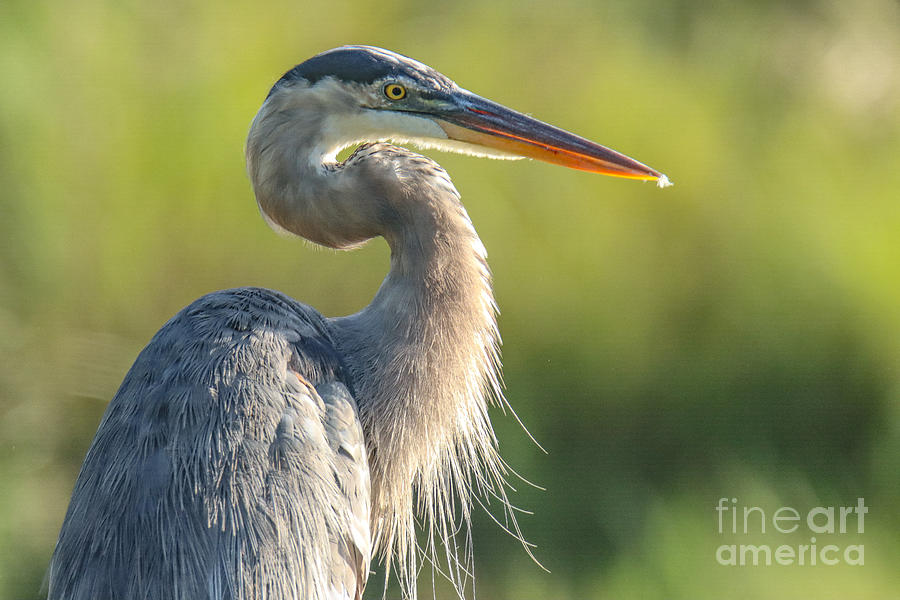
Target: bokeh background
[(737, 335)]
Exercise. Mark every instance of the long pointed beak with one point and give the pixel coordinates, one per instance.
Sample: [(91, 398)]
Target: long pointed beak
[(476, 120)]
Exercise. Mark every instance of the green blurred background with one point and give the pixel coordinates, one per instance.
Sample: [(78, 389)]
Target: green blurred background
[(737, 335)]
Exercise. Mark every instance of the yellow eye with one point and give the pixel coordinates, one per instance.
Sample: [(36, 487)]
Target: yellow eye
[(394, 91)]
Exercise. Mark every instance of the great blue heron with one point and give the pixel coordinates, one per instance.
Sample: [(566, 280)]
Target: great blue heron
[(259, 450)]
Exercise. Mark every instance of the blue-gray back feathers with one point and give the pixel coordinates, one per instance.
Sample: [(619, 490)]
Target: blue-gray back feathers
[(232, 444)]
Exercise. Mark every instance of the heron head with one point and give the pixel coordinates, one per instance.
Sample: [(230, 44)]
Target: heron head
[(370, 94)]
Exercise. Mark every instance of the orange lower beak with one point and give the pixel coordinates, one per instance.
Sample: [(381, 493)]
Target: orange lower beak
[(484, 123)]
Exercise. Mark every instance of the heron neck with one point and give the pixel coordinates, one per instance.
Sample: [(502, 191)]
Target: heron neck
[(423, 356), (433, 312)]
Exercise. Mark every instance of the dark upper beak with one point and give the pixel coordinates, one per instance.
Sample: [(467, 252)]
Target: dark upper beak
[(479, 121)]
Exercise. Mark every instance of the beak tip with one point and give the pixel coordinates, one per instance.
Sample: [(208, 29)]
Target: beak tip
[(663, 182)]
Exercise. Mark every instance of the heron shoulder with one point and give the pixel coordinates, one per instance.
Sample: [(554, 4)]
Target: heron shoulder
[(221, 416)]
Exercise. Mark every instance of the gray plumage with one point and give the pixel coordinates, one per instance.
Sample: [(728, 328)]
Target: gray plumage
[(215, 462), (259, 450)]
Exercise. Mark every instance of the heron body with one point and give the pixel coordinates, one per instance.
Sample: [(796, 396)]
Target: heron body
[(257, 449), (229, 431)]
